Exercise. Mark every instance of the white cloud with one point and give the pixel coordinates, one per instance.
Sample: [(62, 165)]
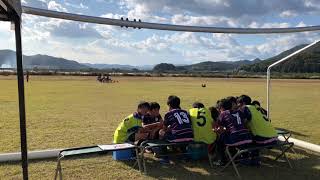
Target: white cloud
[(77, 6), (288, 14), (6, 36), (227, 8), (110, 44), (277, 43), (275, 25), (202, 20), (222, 13), (255, 24), (301, 24), (70, 29), (53, 5), (111, 15)]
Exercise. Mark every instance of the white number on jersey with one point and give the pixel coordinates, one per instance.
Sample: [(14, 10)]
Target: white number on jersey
[(182, 117), (238, 118)]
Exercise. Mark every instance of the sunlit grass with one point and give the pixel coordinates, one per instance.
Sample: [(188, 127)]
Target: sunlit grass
[(78, 111)]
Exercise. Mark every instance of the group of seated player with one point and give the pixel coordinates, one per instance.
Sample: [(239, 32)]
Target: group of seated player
[(233, 121)]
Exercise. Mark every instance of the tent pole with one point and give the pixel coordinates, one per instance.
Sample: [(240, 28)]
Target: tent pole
[(278, 62), (268, 93), (22, 113)]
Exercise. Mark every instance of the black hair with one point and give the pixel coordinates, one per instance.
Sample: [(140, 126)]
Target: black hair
[(225, 104), (256, 103), (232, 99), (217, 104), (174, 102), (143, 104), (197, 105), (244, 99), (214, 113), (154, 105)]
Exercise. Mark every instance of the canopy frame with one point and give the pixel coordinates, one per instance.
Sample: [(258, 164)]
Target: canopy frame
[(10, 10)]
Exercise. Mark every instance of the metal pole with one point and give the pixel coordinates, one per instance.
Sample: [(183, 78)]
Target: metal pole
[(169, 27), (22, 113), (268, 93), (278, 62)]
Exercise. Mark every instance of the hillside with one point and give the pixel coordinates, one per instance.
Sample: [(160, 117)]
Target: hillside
[(305, 62), (118, 66), (8, 59), (210, 66), (207, 66)]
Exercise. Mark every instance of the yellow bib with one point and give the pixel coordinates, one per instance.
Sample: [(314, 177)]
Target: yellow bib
[(258, 125), (202, 125), (120, 135)]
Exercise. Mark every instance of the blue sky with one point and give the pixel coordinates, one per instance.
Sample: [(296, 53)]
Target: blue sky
[(107, 44)]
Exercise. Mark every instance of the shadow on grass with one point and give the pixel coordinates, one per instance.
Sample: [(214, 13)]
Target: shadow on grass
[(293, 132), (14, 163), (306, 165)]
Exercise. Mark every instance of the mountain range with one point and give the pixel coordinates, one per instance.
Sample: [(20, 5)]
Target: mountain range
[(307, 61), (118, 66), (8, 60)]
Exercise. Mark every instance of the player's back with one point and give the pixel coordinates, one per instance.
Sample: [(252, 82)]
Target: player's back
[(179, 124), (232, 121), (202, 123)]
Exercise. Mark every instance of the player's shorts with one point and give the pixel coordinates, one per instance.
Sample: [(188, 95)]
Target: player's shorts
[(264, 140), (238, 138), (172, 138)]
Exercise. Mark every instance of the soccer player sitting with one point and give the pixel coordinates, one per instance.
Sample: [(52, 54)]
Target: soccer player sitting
[(263, 132), (238, 112), (131, 124), (202, 123), (177, 124), (231, 129), (153, 116), (152, 122), (261, 109), (260, 126)]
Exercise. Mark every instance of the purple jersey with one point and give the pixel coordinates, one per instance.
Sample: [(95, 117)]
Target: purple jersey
[(232, 121), (179, 124), (237, 134)]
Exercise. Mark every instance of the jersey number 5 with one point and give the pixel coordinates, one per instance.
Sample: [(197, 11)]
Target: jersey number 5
[(201, 116)]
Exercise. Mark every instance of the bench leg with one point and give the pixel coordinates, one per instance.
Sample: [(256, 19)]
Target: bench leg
[(210, 157), (231, 160), (283, 153), (58, 170), (286, 139), (138, 159), (143, 161)]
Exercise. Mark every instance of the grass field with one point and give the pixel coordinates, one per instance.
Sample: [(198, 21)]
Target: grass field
[(77, 111)]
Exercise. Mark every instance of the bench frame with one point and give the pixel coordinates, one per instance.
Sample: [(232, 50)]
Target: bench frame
[(61, 156), (144, 145), (283, 147)]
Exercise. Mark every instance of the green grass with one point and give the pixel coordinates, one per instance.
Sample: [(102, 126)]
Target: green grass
[(77, 111)]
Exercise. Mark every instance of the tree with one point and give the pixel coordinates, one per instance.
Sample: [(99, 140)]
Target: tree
[(164, 67)]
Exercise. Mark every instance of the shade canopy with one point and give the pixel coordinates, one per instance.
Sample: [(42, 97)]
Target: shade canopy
[(9, 8)]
